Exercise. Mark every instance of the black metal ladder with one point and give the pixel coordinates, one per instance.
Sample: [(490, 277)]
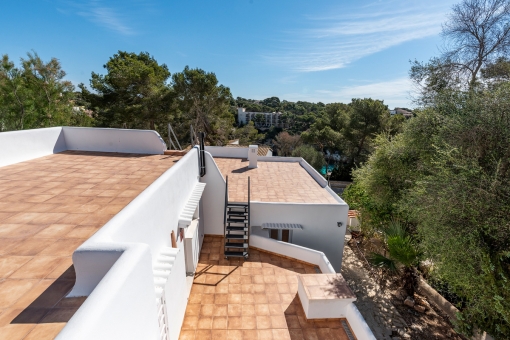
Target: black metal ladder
[(236, 226)]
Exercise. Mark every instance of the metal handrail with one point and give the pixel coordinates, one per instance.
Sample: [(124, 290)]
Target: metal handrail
[(249, 213), (202, 154), (225, 210)]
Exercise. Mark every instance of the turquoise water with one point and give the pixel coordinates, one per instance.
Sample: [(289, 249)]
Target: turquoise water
[(330, 168)]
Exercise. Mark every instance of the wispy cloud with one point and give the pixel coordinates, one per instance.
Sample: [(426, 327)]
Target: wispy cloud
[(335, 41), (395, 92), (107, 17)]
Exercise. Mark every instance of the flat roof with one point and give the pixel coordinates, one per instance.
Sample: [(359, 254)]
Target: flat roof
[(272, 182), (251, 299), (48, 207)]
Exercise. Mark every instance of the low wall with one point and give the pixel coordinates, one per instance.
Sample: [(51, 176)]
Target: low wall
[(120, 286), (222, 151), (114, 140), (354, 317), (214, 194), (293, 251), (149, 218), (123, 304), (24, 145), (358, 324), (320, 230)]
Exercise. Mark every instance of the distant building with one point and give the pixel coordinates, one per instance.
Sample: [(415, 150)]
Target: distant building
[(269, 118), (402, 111)]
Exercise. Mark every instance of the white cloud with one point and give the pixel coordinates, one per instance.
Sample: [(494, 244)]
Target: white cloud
[(106, 17), (335, 41)]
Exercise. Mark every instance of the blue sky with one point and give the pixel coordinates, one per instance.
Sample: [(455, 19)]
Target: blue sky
[(329, 51)]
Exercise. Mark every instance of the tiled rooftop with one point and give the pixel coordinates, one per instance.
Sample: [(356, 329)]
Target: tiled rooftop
[(271, 182), (254, 299), (48, 207)]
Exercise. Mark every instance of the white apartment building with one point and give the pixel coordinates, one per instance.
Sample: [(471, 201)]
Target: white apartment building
[(269, 118), (104, 234)]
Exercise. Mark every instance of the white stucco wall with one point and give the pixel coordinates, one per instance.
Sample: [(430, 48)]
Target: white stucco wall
[(123, 304), (114, 140), (214, 196), (349, 310), (319, 221), (148, 222), (294, 251), (24, 145), (222, 151), (358, 323)]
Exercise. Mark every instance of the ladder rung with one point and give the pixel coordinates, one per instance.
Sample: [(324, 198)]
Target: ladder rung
[(236, 245), (236, 237), (234, 228)]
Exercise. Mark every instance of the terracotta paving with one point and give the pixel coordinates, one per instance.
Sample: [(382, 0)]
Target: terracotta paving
[(253, 299), (271, 182), (48, 207)]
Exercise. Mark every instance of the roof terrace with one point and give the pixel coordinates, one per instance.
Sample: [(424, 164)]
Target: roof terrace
[(48, 207), (272, 182), (252, 299)]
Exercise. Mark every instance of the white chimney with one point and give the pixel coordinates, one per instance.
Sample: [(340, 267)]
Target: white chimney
[(252, 156)]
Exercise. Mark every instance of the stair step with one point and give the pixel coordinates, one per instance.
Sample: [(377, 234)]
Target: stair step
[(236, 245), (236, 237), (233, 205), (236, 253), (237, 213), (234, 228), (229, 220)]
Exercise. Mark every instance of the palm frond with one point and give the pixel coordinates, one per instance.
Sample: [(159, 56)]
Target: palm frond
[(403, 250), (381, 261), (395, 228)]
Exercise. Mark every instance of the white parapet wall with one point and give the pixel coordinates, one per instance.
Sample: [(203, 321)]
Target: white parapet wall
[(304, 254), (122, 306), (101, 263), (24, 145), (114, 140), (214, 194), (221, 151)]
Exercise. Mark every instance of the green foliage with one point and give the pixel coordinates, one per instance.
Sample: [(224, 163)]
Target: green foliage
[(308, 153), (132, 94), (34, 95), (447, 174), (248, 134), (201, 102)]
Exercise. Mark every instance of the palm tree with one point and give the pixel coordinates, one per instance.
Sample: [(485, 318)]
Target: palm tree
[(402, 256)]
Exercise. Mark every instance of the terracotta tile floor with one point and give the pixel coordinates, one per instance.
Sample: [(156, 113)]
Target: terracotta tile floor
[(271, 182), (48, 207), (253, 299)]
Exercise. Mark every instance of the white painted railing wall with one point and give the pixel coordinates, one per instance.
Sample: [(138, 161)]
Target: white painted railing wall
[(146, 222), (221, 151), (122, 306), (354, 317), (114, 140), (214, 195), (315, 257), (24, 145)]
